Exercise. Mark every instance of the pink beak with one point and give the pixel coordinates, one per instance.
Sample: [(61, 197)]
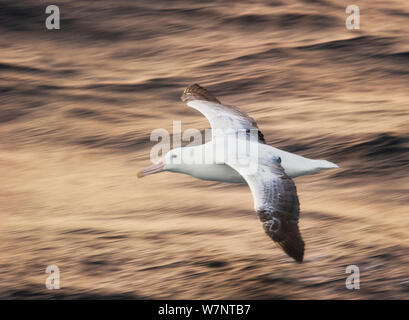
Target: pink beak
[(155, 168)]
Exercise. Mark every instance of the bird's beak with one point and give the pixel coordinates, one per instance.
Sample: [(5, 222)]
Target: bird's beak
[(155, 168)]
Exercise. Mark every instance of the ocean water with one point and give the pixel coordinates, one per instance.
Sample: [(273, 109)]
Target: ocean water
[(78, 105)]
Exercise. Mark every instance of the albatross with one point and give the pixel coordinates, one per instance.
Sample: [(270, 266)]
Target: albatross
[(267, 171)]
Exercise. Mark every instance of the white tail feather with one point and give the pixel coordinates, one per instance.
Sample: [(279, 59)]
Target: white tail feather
[(325, 164)]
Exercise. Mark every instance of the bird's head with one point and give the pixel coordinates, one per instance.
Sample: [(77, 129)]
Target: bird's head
[(176, 160)]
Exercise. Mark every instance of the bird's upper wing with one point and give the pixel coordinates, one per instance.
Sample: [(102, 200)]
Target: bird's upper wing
[(222, 118), (276, 202)]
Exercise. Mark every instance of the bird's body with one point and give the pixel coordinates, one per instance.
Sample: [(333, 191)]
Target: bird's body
[(238, 153), (215, 169)]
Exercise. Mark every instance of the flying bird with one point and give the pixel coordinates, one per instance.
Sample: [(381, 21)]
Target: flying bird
[(268, 171)]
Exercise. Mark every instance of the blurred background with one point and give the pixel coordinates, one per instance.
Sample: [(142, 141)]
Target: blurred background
[(77, 106)]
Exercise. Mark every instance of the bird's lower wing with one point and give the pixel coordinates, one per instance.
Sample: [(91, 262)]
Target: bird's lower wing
[(276, 202)]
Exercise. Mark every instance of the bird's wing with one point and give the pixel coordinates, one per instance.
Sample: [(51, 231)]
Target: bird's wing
[(223, 118), (276, 202)]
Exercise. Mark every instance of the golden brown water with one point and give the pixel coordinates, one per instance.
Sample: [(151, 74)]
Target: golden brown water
[(78, 106)]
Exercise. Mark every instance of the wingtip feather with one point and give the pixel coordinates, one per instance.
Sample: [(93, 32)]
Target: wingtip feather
[(196, 92), (294, 246)]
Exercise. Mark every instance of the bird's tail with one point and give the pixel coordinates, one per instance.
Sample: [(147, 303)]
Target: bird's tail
[(325, 164)]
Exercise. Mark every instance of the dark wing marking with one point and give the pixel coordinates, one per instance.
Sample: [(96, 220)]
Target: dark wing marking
[(196, 92)]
